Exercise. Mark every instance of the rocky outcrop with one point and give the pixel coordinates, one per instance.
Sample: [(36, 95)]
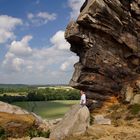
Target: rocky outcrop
[(12, 109), (131, 94), (17, 122), (106, 37), (75, 122)]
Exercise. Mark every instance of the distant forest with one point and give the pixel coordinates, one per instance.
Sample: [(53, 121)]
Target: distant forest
[(24, 85), (14, 93)]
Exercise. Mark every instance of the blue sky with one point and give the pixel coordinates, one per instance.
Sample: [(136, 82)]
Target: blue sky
[(32, 45)]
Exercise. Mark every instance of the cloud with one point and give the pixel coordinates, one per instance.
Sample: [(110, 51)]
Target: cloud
[(7, 25), (18, 63), (75, 6), (21, 48), (12, 63), (41, 18), (30, 16), (67, 65), (15, 58), (44, 65), (37, 2), (59, 41)]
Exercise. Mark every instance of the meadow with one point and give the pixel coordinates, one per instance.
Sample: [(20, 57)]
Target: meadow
[(48, 109)]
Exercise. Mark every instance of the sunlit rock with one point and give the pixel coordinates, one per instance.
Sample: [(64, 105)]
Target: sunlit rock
[(75, 122), (106, 37)]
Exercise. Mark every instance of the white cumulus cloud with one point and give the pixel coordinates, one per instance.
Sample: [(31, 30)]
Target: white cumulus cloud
[(75, 6), (21, 48), (41, 18), (59, 41), (18, 63), (15, 58), (7, 25), (12, 63), (25, 64), (67, 65)]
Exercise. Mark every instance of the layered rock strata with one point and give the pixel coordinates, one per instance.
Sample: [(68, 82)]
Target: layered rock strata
[(106, 37)]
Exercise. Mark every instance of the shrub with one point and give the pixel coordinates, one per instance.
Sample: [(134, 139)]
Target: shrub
[(134, 109), (2, 134), (33, 132)]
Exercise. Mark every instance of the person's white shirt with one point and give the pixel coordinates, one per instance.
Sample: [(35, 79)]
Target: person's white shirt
[(83, 99)]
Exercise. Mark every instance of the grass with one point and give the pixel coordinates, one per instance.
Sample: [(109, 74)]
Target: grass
[(6, 118), (14, 125), (48, 109), (33, 132)]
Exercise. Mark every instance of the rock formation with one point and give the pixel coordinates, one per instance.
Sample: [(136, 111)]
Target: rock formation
[(106, 37), (11, 109), (17, 122), (75, 122)]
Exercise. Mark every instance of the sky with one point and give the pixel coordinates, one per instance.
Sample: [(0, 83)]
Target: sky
[(32, 45)]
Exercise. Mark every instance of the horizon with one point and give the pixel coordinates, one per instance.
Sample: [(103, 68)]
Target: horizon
[(33, 49), (36, 84)]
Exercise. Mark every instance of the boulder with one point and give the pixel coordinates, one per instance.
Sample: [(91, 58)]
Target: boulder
[(75, 122), (17, 122), (53, 123), (136, 99), (12, 109), (99, 119), (127, 92)]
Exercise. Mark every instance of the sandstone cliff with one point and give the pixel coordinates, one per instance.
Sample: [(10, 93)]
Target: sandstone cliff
[(106, 37)]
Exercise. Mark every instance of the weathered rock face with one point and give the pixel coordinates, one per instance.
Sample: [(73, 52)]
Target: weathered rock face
[(106, 37), (75, 122)]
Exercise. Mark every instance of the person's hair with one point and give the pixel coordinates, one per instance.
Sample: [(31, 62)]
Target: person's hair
[(82, 91)]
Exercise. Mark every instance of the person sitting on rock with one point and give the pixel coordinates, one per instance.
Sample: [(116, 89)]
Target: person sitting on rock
[(83, 98)]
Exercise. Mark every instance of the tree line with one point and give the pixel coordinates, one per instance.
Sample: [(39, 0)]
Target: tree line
[(46, 94)]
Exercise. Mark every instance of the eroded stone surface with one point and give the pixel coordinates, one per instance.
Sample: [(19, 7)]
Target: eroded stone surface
[(7, 108), (75, 122), (106, 37), (99, 119)]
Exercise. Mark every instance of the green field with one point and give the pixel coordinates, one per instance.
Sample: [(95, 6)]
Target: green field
[(48, 109)]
